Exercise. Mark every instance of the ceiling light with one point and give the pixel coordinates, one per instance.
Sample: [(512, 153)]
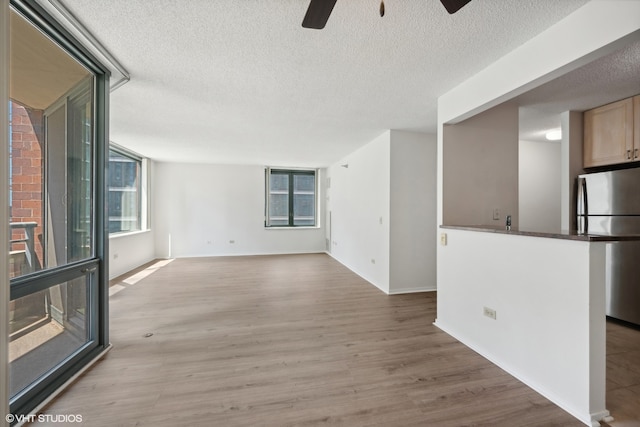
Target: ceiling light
[(554, 135)]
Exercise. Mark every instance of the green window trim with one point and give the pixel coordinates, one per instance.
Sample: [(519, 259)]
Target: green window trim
[(126, 202), (290, 198)]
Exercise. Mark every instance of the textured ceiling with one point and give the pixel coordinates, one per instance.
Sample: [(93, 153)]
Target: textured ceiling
[(608, 79), (228, 81)]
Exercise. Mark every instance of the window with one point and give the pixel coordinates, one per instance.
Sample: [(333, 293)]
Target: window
[(291, 198), (57, 312), (125, 191)]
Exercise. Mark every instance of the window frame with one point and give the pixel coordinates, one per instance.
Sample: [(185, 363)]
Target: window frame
[(291, 173), (95, 268), (142, 199)]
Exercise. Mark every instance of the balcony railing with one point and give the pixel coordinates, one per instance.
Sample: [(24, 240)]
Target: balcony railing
[(23, 258)]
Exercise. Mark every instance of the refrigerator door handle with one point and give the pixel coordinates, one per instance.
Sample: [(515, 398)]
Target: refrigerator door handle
[(582, 197), (582, 209)]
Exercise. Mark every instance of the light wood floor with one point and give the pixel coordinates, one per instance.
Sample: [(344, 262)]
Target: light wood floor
[(289, 340), (623, 374)]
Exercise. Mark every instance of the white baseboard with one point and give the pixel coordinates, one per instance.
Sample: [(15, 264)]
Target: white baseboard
[(589, 419)]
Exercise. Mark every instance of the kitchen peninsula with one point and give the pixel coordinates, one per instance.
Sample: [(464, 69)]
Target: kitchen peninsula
[(534, 304)]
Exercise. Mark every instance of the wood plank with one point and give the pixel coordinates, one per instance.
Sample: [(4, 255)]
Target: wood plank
[(623, 374), (289, 340)]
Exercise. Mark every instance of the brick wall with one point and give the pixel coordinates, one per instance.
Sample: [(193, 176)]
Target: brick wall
[(27, 165)]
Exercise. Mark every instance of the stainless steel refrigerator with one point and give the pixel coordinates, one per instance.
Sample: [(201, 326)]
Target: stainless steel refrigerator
[(608, 203)]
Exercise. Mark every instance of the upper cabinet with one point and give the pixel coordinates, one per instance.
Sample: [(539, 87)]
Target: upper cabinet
[(612, 133)]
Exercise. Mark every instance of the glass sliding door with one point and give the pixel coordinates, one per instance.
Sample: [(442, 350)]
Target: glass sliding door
[(68, 179), (39, 347), (57, 245)]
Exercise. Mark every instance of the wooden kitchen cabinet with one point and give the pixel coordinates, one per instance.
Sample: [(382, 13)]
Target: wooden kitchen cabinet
[(609, 134)]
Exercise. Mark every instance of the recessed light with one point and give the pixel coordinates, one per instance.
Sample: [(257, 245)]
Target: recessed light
[(554, 135)]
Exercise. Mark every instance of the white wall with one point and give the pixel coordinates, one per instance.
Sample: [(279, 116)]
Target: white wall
[(539, 185), (383, 211), (212, 210), (360, 212), (4, 211), (480, 171), (129, 251), (549, 299), (571, 166), (413, 212)]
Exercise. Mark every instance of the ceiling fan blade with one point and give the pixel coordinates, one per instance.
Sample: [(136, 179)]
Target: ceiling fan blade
[(453, 6), (318, 14)]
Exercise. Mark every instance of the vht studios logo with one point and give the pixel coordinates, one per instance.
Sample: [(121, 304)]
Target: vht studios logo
[(44, 418)]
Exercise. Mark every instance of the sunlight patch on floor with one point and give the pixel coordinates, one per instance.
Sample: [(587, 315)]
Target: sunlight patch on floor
[(136, 277)]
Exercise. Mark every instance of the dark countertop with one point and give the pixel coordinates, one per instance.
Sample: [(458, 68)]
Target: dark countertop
[(568, 235)]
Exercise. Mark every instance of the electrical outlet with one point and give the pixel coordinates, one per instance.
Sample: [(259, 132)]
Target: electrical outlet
[(496, 214), (489, 312), (443, 239)]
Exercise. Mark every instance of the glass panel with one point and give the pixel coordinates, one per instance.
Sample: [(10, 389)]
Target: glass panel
[(69, 178), (124, 193), (46, 327), (279, 199), (51, 154), (79, 174), (304, 201), (304, 183), (26, 189), (279, 183), (51, 209)]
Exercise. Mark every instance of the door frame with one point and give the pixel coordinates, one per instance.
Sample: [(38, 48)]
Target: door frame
[(4, 209), (96, 267)]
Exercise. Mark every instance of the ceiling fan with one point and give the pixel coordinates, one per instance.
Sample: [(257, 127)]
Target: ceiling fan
[(319, 11)]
